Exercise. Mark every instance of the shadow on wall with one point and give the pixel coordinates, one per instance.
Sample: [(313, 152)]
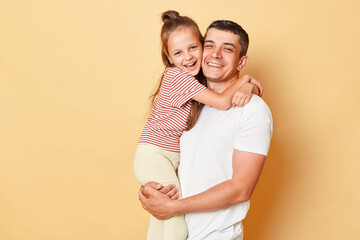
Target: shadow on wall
[(265, 202), (270, 190)]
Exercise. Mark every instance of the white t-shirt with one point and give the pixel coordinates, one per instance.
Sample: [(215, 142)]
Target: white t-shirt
[(206, 159)]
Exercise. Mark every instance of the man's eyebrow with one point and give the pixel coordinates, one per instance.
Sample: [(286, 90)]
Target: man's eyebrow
[(226, 43), (231, 44)]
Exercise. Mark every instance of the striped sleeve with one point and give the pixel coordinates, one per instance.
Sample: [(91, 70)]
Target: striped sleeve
[(183, 87)]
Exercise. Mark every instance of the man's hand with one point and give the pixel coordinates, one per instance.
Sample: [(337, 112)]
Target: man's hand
[(158, 204), (170, 190)]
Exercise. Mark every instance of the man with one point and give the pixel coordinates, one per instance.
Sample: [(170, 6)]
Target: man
[(223, 154)]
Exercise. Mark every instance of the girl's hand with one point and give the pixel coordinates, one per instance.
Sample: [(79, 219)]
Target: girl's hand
[(257, 84), (243, 95), (249, 79)]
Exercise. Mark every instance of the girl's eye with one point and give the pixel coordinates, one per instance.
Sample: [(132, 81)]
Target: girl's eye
[(176, 53), (193, 47)]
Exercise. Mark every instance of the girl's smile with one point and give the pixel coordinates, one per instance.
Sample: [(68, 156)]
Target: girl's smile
[(185, 50)]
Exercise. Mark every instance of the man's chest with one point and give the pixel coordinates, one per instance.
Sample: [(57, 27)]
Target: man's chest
[(214, 127)]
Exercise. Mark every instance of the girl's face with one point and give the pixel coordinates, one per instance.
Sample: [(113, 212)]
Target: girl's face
[(185, 50)]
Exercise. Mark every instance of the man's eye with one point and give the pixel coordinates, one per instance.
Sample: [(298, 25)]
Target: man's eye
[(208, 46), (228, 49)]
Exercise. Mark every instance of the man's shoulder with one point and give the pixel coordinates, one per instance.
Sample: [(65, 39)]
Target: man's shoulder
[(256, 112), (256, 103)]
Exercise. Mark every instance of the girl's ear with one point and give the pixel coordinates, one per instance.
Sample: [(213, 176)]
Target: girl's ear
[(242, 62), (171, 62)]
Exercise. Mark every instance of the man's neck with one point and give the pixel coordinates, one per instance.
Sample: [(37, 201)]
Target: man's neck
[(220, 86)]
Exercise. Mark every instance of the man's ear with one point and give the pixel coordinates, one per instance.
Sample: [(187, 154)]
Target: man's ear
[(242, 62)]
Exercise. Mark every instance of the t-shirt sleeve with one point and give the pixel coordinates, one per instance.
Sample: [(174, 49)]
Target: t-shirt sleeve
[(255, 127), (183, 87)]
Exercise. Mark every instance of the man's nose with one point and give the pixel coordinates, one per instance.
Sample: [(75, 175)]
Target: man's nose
[(217, 53)]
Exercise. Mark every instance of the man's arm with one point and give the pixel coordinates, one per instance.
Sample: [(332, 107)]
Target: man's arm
[(246, 171)]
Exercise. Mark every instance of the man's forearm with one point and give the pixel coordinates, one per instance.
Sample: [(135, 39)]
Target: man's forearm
[(246, 171), (221, 196)]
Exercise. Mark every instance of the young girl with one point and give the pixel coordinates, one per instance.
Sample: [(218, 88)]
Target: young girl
[(157, 154)]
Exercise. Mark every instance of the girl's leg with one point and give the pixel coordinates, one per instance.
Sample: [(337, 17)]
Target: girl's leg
[(155, 231), (155, 164), (175, 228)]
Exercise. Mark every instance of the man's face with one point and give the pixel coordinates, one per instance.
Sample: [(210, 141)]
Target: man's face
[(221, 56)]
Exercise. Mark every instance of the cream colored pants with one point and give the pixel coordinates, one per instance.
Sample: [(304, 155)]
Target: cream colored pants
[(155, 164)]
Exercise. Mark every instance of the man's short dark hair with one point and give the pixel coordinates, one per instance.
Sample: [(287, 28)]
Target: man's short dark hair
[(230, 26)]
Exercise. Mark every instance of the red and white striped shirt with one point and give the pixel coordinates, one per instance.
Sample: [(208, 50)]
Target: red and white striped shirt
[(171, 111)]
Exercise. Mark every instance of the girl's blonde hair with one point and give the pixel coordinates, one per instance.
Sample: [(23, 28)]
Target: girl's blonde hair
[(171, 22)]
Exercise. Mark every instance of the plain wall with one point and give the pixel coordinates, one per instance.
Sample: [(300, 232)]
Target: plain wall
[(75, 77)]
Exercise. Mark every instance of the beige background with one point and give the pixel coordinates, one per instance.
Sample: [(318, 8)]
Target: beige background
[(75, 77)]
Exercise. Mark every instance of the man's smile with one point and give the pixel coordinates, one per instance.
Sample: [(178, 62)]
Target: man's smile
[(214, 64)]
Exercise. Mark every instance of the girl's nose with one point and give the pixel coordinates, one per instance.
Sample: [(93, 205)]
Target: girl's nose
[(188, 56)]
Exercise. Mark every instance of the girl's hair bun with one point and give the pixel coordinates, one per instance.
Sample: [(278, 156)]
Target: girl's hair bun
[(169, 15)]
